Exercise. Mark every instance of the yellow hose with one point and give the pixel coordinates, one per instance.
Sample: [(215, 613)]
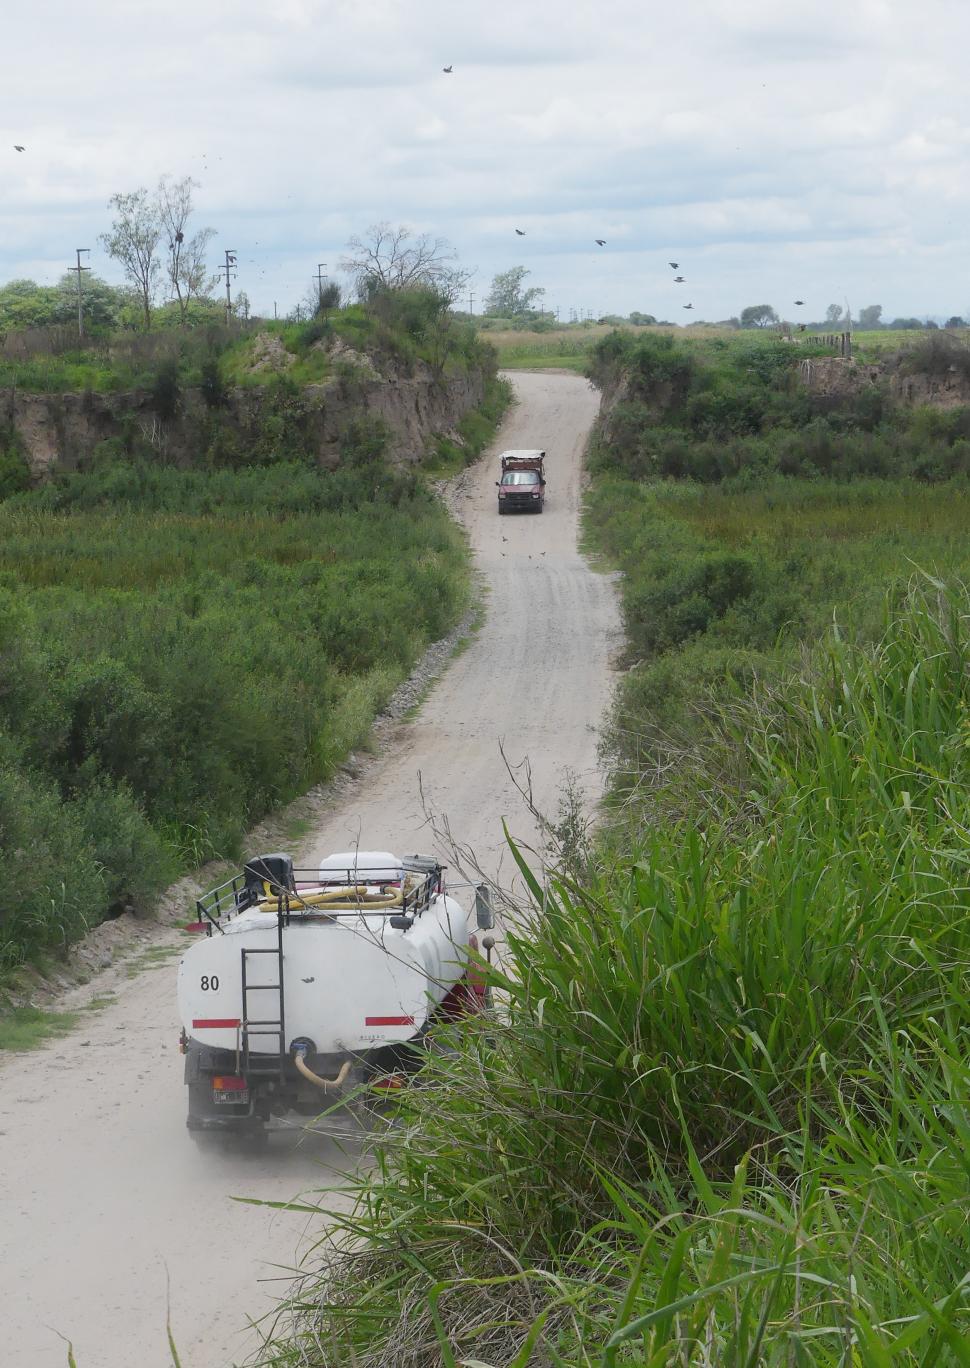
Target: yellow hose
[(338, 899), (315, 1078)]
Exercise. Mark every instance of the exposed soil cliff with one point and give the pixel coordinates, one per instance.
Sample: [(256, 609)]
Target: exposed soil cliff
[(65, 429), (948, 387)]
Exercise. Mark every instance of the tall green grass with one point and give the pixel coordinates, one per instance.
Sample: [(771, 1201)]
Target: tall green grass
[(723, 1117), (182, 651)]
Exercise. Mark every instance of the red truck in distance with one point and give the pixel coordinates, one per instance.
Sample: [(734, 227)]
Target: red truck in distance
[(523, 482)]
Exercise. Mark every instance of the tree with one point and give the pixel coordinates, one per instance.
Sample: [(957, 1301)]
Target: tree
[(833, 313), (241, 306), (507, 298), (758, 316), (869, 317), (133, 241), (328, 297), (641, 320), (389, 258), (103, 303), (188, 273), (956, 322), (25, 304)]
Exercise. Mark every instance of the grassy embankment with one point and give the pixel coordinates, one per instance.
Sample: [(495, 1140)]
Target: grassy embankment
[(726, 1118), (570, 348), (184, 649), (410, 326)]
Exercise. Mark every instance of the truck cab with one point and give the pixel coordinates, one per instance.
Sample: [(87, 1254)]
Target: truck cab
[(523, 483)]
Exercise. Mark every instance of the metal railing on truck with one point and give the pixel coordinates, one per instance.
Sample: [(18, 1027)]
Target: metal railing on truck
[(237, 894)]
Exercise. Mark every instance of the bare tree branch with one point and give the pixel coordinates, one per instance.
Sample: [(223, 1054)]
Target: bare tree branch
[(394, 259), (186, 267)]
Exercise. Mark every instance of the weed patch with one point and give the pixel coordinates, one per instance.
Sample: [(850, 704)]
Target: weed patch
[(25, 1028)]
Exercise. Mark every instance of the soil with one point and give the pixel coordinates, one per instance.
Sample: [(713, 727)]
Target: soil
[(111, 1214)]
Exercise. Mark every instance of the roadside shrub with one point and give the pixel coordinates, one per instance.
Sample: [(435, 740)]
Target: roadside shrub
[(364, 441), (166, 388), (685, 601), (132, 857), (54, 883), (14, 466), (211, 383)]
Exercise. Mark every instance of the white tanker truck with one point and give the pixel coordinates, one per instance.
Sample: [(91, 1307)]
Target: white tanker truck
[(306, 984)]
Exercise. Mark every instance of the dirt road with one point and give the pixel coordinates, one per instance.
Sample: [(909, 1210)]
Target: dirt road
[(101, 1189)]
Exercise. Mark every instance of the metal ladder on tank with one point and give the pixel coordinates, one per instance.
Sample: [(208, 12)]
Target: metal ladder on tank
[(257, 1027)]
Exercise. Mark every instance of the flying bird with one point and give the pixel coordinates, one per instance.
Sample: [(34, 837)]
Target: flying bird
[(600, 242), (673, 265), (446, 70), (521, 232), (678, 280), (688, 306), (799, 301), (18, 148)]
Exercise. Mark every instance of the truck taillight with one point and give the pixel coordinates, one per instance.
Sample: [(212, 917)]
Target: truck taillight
[(228, 1083)]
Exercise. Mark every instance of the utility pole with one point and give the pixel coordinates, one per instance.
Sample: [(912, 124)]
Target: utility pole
[(79, 268), (471, 304), (321, 277), (557, 313), (230, 270), (275, 314)]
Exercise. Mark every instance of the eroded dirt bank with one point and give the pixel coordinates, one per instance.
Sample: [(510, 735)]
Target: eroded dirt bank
[(101, 1188)]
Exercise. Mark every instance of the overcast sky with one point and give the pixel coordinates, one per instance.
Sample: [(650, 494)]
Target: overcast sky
[(777, 151)]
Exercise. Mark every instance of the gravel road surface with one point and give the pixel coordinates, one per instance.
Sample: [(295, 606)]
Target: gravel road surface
[(104, 1198)]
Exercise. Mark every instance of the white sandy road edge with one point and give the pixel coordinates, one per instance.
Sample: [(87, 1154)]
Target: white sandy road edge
[(101, 1189)]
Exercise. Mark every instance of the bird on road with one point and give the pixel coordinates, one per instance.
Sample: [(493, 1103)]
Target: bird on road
[(446, 70), (688, 306), (673, 265), (521, 232), (18, 148), (679, 280), (600, 242), (799, 301)]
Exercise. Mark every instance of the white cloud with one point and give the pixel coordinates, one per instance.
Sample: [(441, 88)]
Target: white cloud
[(772, 143)]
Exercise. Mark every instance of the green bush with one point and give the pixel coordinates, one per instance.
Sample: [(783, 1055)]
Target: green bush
[(165, 390), (133, 859), (14, 466), (212, 384), (721, 1117), (54, 883), (181, 650)]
